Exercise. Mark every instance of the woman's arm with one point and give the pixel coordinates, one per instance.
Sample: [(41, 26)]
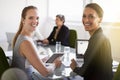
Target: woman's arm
[(50, 39), (28, 51), (45, 41), (90, 56)]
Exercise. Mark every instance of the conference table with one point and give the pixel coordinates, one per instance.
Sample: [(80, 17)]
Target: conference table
[(64, 71)]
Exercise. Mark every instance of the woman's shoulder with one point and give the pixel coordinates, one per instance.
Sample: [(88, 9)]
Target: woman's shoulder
[(55, 27), (22, 37), (25, 41), (65, 27)]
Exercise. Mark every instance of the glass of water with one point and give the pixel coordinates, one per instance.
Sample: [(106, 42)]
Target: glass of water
[(66, 60), (67, 49), (58, 47)]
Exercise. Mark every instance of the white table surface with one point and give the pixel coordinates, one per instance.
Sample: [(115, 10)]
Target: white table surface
[(67, 70)]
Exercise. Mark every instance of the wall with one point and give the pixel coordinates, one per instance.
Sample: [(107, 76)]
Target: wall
[(113, 33), (10, 15), (9, 18)]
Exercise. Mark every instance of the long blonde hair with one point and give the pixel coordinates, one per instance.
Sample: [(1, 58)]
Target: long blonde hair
[(23, 15)]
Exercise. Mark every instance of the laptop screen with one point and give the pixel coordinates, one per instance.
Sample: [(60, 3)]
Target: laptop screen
[(81, 46)]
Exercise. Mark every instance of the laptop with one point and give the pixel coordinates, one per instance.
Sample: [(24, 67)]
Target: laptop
[(81, 46)]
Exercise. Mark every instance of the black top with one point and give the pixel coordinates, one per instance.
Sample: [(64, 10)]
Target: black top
[(63, 36), (97, 59)]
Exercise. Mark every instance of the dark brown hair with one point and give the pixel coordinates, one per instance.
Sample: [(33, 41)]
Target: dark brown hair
[(97, 8)]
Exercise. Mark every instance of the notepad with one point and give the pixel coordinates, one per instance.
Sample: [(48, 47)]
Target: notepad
[(53, 57)]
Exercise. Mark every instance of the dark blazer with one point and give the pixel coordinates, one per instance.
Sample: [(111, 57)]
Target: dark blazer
[(97, 59), (63, 36)]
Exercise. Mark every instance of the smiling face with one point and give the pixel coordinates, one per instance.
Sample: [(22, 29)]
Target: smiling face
[(31, 20), (91, 20)]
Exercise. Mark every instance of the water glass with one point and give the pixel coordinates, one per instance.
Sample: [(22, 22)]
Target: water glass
[(66, 60), (58, 47), (67, 49)]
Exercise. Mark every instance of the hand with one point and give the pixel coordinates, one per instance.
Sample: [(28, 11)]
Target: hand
[(45, 59), (39, 40), (57, 62), (73, 64), (45, 41)]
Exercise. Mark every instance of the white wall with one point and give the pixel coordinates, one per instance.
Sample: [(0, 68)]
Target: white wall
[(10, 12), (9, 15), (9, 18), (113, 33)]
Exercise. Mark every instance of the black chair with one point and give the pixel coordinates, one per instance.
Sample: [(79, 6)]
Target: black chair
[(4, 65), (117, 74), (72, 38)]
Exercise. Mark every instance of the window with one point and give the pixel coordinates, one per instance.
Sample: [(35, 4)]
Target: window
[(111, 10), (71, 9)]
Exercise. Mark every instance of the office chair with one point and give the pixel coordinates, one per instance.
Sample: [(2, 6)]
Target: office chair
[(72, 38), (10, 36), (14, 74), (4, 65), (117, 74)]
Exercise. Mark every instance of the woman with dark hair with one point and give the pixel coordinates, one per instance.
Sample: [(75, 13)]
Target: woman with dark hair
[(97, 58), (60, 32), (25, 53)]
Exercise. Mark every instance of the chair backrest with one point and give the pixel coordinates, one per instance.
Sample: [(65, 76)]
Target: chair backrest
[(117, 74), (4, 65), (10, 36), (72, 38), (14, 74)]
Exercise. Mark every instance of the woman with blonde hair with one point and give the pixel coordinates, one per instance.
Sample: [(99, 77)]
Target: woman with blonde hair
[(25, 54)]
